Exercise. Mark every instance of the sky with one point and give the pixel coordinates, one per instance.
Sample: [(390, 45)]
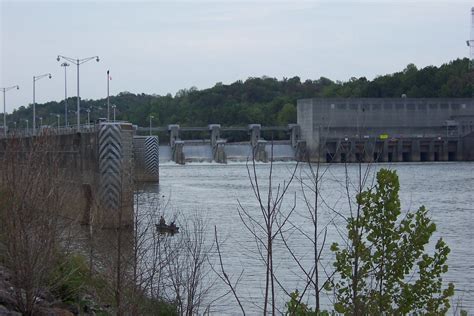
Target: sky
[(159, 47)]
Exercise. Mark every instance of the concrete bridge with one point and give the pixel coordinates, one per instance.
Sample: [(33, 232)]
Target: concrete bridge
[(102, 163), (220, 150)]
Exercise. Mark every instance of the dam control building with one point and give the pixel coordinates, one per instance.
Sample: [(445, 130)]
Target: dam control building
[(387, 129)]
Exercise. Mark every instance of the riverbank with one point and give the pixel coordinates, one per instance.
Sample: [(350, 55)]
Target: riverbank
[(71, 289)]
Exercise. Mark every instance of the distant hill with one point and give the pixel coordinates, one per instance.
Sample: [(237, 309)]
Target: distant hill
[(264, 100)]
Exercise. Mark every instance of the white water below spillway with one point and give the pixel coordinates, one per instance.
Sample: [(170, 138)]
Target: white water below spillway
[(234, 152), (238, 151), (165, 153), (197, 152), (280, 151)]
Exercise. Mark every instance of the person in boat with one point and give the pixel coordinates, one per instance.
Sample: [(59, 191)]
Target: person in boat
[(162, 221), (173, 225)]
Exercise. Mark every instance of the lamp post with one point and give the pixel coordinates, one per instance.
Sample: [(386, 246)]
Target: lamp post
[(5, 107), (65, 65), (27, 127), (113, 107), (151, 117), (108, 97), (78, 62), (88, 117), (41, 121), (36, 78)]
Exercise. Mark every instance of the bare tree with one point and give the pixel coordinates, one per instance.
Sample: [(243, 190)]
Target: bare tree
[(189, 272), (33, 213), (266, 227)]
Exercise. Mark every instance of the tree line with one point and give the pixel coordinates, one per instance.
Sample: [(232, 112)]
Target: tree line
[(265, 100)]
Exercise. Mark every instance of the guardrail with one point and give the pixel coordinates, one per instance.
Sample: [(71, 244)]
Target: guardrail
[(22, 132)]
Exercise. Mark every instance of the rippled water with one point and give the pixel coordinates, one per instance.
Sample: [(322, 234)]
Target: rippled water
[(213, 190)]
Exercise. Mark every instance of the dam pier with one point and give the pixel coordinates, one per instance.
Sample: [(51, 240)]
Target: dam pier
[(215, 148)]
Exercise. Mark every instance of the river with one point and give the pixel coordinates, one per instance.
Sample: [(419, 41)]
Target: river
[(214, 191)]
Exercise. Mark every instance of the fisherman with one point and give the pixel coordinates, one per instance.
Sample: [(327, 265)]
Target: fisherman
[(162, 221)]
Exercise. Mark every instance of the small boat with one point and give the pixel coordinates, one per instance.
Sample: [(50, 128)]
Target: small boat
[(167, 229)]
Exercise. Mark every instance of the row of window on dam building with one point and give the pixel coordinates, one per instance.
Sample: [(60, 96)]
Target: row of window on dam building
[(387, 129)]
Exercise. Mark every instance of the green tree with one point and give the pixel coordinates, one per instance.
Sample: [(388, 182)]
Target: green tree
[(385, 270), (287, 114)]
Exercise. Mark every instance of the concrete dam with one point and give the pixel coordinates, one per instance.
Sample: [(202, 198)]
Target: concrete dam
[(387, 129), (219, 150)]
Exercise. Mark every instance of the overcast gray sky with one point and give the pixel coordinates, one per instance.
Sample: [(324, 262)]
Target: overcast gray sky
[(161, 47)]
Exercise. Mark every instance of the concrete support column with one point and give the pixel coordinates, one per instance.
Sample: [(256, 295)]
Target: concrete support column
[(295, 134), (459, 150), (431, 150), (215, 133), (351, 154), (444, 151), (369, 149), (337, 154), (260, 152), (301, 153), (322, 150), (399, 154), (219, 152), (173, 130), (415, 150), (146, 158), (177, 151), (254, 131), (384, 157), (115, 144)]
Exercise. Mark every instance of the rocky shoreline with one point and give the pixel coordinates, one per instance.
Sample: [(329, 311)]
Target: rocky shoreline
[(46, 303)]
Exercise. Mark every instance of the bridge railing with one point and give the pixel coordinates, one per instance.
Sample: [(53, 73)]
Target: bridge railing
[(22, 132)]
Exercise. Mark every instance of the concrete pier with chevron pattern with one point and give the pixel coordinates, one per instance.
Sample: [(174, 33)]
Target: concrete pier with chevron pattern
[(104, 164)]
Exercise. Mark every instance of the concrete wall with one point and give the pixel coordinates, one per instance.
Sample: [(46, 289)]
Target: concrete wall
[(338, 118)]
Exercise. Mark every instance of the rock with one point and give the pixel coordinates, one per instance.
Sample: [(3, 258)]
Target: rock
[(55, 311), (7, 300), (6, 312), (69, 307)]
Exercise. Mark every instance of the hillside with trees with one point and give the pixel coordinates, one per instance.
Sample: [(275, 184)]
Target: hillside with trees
[(263, 100)]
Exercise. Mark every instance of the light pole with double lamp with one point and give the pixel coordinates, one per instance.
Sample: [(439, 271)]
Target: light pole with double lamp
[(78, 62), (36, 78), (4, 90)]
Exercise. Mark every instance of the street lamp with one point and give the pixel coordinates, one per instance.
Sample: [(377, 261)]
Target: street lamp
[(88, 117), (5, 106), (78, 62), (65, 65), (57, 117), (108, 96), (151, 117), (113, 107), (36, 78)]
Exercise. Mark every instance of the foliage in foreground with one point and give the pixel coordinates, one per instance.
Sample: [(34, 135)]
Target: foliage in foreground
[(295, 307), (74, 284), (385, 269)]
